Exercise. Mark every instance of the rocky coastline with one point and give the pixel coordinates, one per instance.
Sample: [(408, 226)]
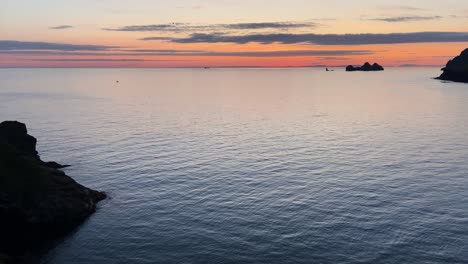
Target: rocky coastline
[(456, 69), (38, 201)]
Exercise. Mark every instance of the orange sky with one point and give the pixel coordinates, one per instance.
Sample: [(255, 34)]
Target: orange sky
[(108, 33)]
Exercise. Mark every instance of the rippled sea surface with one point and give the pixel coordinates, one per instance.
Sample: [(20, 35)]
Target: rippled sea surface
[(255, 165)]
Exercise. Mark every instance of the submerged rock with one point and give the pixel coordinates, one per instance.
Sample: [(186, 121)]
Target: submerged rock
[(456, 69), (38, 202), (366, 67), (55, 165)]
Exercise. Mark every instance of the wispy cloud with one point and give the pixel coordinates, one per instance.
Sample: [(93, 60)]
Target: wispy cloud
[(324, 39), (187, 27), (174, 27), (26, 45), (61, 27), (400, 8), (163, 38), (333, 58), (287, 53), (405, 18), (163, 50), (195, 7), (195, 53), (97, 60), (270, 25)]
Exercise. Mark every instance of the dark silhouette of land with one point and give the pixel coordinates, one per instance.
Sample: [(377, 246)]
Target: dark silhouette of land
[(456, 69), (38, 202), (366, 67)]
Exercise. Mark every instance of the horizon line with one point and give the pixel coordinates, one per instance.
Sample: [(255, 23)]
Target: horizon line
[(208, 67)]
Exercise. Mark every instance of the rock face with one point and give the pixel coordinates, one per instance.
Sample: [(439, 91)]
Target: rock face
[(456, 69), (15, 134), (38, 202), (365, 67)]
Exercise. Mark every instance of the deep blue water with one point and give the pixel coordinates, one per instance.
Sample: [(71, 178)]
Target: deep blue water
[(255, 165)]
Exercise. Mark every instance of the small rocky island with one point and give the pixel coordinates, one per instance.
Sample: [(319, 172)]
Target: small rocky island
[(38, 202), (366, 67), (456, 69)]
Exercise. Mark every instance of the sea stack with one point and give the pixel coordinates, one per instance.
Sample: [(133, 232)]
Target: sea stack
[(366, 67), (38, 202), (456, 69)]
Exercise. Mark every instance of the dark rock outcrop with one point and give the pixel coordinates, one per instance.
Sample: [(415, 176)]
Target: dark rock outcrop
[(15, 134), (38, 202), (366, 67), (456, 69)]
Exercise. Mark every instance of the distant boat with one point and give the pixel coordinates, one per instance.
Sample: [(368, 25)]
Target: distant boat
[(206, 68)]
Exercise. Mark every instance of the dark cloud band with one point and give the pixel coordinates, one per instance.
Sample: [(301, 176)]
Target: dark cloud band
[(325, 39), (186, 27), (406, 18), (24, 45), (61, 27)]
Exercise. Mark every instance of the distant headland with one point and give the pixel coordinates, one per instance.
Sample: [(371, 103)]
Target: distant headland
[(366, 67), (38, 202), (456, 69)]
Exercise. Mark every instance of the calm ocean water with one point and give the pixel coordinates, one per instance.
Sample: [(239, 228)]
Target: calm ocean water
[(255, 165)]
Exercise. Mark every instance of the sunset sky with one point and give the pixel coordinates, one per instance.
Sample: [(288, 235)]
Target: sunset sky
[(196, 33)]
